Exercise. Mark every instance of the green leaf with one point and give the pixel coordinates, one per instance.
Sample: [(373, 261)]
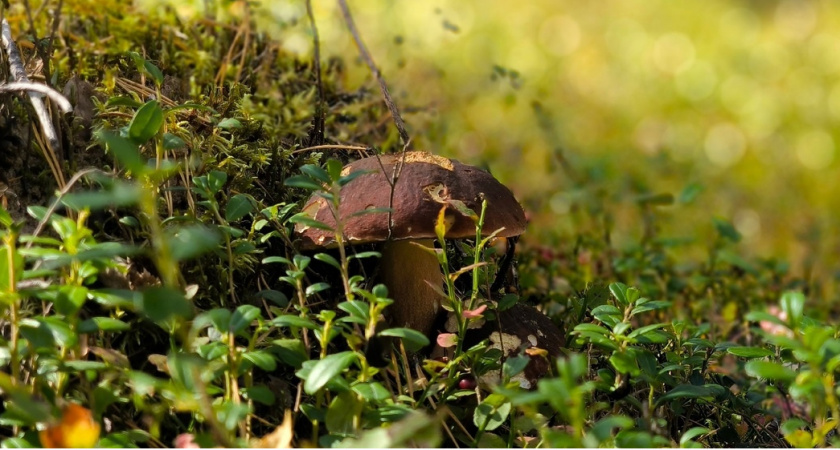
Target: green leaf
[(95, 324), (193, 240), (124, 150), (242, 317), (293, 321), (769, 370), (607, 314), (692, 433), (726, 230), (414, 429), (646, 330), (749, 352), (259, 394), (16, 442), (372, 391), (315, 288), (5, 270), (639, 439), (602, 430), (665, 199), (761, 316), (619, 291), (218, 318), (216, 180), (290, 351), (116, 298), (306, 220), (5, 218), (706, 392), (514, 365), (276, 259), (413, 339), (185, 368), (327, 368), (793, 304), (363, 255), (650, 306), (329, 259), (124, 439), (161, 304), (276, 297), (229, 124), (342, 413), (261, 359), (303, 182), (239, 206), (123, 101), (20, 402), (334, 168), (316, 173), (491, 413), (625, 362), (107, 250), (231, 414), (172, 142), (146, 123), (690, 193), (147, 67), (79, 365), (154, 72), (359, 311), (507, 301), (591, 327), (47, 332), (69, 299)]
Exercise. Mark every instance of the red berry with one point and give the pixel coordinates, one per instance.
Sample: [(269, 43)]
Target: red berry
[(467, 382)]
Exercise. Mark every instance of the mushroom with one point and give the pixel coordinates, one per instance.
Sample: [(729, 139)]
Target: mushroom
[(425, 184), (520, 328)]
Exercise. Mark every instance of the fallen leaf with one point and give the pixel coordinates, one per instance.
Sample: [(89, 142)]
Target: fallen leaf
[(76, 429), (281, 437)]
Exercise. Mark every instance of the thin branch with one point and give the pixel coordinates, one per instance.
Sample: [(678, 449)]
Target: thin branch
[(36, 98), (317, 136), (395, 176), (54, 95), (53, 32), (78, 176), (395, 112), (331, 147)]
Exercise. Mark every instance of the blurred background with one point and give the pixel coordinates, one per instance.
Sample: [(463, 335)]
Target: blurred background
[(731, 107)]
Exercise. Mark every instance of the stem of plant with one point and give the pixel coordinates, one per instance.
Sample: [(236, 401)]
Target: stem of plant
[(479, 249), (10, 240)]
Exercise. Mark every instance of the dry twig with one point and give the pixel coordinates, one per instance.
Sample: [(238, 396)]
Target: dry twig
[(36, 97), (395, 112)]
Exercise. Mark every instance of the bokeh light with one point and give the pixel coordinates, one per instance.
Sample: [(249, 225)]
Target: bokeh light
[(643, 97)]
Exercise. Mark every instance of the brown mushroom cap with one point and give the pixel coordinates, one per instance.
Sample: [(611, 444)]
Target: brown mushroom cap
[(521, 327), (423, 177)]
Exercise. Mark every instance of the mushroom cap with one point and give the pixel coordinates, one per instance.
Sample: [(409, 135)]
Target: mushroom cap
[(426, 182), (521, 327)]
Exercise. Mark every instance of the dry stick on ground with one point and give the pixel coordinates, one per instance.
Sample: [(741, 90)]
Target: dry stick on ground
[(332, 147), (36, 98)]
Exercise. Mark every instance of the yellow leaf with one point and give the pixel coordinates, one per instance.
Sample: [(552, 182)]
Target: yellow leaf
[(281, 437), (76, 429)]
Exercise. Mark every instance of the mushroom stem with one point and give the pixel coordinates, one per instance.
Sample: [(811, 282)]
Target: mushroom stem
[(409, 272)]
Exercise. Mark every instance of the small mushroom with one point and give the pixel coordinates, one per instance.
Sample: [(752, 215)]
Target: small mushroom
[(521, 328), (426, 183)]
